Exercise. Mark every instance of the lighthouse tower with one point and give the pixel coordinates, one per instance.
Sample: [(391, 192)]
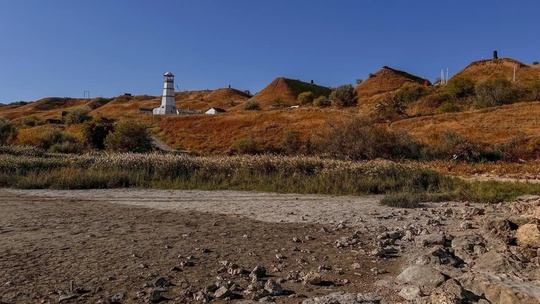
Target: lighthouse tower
[(168, 104)]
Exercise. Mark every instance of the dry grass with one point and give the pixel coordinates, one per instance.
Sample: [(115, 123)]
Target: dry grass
[(500, 68)]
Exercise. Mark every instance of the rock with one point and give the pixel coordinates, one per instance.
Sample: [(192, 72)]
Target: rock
[(528, 235), (66, 296), (222, 292), (201, 297), (345, 298), (162, 282), (420, 275), (502, 289), (155, 296), (495, 262), (410, 293), (274, 289), (258, 272), (116, 298), (312, 278), (429, 239)]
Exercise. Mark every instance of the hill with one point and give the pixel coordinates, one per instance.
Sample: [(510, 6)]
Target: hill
[(50, 107), (500, 68), (386, 80), (286, 91)]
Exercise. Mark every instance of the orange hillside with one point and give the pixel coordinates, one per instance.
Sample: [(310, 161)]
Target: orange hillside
[(500, 68)]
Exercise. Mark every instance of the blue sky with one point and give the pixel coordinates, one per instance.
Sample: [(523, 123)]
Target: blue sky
[(108, 47)]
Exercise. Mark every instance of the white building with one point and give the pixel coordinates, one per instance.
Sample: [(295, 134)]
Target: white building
[(214, 111), (168, 104)]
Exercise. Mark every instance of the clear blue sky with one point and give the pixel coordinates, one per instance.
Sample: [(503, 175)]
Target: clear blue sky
[(108, 47)]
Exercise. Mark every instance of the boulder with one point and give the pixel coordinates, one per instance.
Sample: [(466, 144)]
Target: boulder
[(528, 235), (502, 288), (430, 239), (410, 293), (420, 275)]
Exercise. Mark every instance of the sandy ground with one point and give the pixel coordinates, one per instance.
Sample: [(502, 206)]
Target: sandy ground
[(94, 245)]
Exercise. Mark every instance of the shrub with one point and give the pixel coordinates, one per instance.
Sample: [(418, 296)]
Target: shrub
[(404, 200), (77, 115), (344, 95), (291, 143), (279, 103), (30, 121), (449, 107), (98, 102), (246, 145), (360, 139), (306, 98), (129, 136), (411, 92), (495, 92), (95, 132), (536, 62), (459, 88), (453, 145), (251, 105), (534, 90), (8, 132), (359, 81), (322, 101), (390, 108), (55, 140)]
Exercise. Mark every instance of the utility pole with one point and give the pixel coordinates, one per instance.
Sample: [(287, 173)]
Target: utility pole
[(515, 73)]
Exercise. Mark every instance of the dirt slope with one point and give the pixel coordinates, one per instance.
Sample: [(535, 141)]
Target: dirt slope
[(500, 68), (287, 90), (490, 125), (50, 107)]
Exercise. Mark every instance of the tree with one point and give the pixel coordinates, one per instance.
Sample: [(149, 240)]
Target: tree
[(8, 132), (129, 136), (251, 105), (95, 132), (344, 95), (359, 80), (306, 98)]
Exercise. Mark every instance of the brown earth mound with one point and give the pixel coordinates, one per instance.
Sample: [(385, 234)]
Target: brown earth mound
[(372, 90), (500, 68), (285, 91), (50, 107)]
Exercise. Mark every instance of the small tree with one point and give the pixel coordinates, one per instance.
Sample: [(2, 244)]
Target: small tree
[(344, 95), (306, 98), (246, 145), (95, 132), (129, 136), (359, 80), (8, 132), (392, 107)]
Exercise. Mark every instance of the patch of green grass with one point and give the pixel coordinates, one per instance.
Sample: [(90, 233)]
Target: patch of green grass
[(300, 87)]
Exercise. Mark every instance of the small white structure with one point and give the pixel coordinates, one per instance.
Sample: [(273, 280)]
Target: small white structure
[(168, 104), (214, 111)]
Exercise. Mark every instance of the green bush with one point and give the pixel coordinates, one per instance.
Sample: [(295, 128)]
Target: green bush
[(246, 145), (306, 98), (534, 90), (55, 140), (322, 101), (98, 102), (77, 115), (495, 92), (30, 121), (411, 92), (390, 108), (129, 136), (344, 95), (8, 132), (251, 105), (453, 145), (450, 107), (459, 88)]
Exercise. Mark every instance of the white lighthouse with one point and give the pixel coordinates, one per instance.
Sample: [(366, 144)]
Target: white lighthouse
[(168, 104)]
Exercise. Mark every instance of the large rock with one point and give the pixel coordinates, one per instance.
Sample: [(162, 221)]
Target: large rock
[(345, 298), (410, 293), (420, 275), (528, 235), (502, 289), (495, 262), (430, 239)]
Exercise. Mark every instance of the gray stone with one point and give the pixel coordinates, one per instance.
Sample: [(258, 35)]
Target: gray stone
[(258, 272), (312, 278), (430, 239), (274, 289), (528, 235), (345, 298), (410, 293), (222, 292), (420, 275), (162, 282)]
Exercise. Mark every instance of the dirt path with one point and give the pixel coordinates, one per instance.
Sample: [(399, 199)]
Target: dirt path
[(87, 246)]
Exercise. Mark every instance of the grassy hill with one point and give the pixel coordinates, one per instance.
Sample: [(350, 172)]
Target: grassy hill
[(284, 91), (500, 68)]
